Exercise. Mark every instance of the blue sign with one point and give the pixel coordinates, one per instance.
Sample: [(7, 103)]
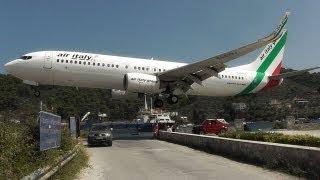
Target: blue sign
[(50, 130), (73, 127)]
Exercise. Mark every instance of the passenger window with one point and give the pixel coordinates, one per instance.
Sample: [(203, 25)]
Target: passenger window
[(88, 63), (108, 65), (229, 77), (154, 69), (71, 61), (66, 61), (79, 62), (75, 62), (62, 60), (232, 77), (103, 64), (126, 66), (112, 65), (142, 68), (117, 66), (98, 64), (135, 67), (84, 63), (57, 60), (93, 64), (139, 68), (164, 70), (147, 69), (242, 78), (159, 70)]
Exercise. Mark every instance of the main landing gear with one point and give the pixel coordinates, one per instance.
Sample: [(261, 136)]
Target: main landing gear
[(171, 99), (158, 103)]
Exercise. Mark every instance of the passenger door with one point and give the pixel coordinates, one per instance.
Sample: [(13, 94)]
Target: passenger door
[(47, 60)]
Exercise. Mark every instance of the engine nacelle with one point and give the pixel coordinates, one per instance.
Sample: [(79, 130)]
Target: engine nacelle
[(142, 83)]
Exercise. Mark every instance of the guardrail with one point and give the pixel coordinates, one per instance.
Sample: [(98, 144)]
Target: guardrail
[(295, 159), (48, 171)]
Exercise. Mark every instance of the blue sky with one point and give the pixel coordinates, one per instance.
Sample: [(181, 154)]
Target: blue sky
[(175, 30)]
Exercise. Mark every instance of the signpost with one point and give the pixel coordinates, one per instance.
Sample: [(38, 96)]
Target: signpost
[(73, 127), (50, 130)]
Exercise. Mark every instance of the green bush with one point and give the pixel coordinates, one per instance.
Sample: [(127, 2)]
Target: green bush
[(79, 162), (19, 154), (303, 140)]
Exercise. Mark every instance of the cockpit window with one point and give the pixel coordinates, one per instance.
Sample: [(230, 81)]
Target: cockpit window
[(25, 57)]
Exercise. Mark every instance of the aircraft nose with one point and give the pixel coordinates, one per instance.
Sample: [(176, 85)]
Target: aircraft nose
[(10, 66)]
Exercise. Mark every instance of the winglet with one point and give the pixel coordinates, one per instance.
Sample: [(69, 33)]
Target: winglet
[(284, 20), (278, 31)]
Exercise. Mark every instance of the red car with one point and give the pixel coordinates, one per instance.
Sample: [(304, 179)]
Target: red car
[(211, 126)]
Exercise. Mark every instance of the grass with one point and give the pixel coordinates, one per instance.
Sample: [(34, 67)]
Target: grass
[(19, 154), (303, 140), (73, 167)]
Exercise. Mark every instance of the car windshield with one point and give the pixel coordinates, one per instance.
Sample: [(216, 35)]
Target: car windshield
[(100, 127)]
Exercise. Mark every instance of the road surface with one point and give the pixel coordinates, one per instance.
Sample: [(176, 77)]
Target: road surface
[(159, 160)]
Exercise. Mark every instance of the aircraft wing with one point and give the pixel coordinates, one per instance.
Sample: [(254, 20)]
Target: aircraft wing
[(199, 71), (293, 73)]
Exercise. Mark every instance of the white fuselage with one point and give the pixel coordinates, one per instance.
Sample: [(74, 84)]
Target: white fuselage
[(107, 72)]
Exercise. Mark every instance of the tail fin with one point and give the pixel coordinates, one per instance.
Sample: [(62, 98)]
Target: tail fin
[(270, 59)]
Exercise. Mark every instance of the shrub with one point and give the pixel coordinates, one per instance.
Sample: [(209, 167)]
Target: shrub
[(303, 140), (19, 154)]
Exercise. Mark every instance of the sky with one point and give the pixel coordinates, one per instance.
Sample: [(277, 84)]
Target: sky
[(172, 30)]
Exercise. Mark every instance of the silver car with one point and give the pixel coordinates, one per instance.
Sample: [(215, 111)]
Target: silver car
[(100, 134)]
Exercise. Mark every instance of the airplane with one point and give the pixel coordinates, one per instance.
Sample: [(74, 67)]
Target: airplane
[(209, 77)]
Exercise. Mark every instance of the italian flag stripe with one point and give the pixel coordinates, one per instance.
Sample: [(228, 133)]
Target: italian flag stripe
[(265, 65)]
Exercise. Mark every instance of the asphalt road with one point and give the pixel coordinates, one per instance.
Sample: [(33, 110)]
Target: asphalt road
[(153, 159)]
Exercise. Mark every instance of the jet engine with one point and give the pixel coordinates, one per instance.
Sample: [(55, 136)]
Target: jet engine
[(142, 83)]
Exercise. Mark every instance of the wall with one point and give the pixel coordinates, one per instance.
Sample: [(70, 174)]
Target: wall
[(299, 160)]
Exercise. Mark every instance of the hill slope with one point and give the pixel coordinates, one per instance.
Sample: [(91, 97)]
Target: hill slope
[(17, 100)]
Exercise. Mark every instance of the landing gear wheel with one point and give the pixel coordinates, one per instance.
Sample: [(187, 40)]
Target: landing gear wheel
[(173, 99), (36, 92), (158, 103)]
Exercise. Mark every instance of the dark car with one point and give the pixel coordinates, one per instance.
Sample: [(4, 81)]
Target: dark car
[(100, 134), (211, 126)]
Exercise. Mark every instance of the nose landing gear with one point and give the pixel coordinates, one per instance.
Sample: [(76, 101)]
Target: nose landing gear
[(36, 91)]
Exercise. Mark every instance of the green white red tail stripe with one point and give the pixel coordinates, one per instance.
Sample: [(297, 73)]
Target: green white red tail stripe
[(270, 63)]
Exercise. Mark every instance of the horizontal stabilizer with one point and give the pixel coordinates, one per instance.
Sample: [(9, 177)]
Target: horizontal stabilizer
[(289, 74)]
